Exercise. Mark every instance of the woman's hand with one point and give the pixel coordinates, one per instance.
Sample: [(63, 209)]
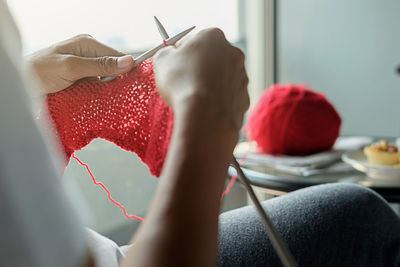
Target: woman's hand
[(204, 72), (58, 66)]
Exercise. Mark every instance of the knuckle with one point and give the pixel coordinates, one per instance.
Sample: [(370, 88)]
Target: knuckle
[(213, 33), (69, 63), (56, 48), (106, 64), (238, 55), (246, 80), (241, 55), (83, 36), (217, 32)]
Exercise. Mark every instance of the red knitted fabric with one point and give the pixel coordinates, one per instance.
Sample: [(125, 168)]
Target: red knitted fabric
[(293, 120), (127, 111)]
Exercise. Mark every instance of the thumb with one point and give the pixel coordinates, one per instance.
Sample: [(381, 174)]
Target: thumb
[(83, 67)]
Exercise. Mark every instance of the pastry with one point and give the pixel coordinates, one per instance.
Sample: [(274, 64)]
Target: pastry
[(382, 153)]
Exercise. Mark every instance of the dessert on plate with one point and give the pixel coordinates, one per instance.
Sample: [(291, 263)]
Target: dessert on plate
[(382, 153)]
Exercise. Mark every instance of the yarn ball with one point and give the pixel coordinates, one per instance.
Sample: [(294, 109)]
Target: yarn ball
[(293, 120)]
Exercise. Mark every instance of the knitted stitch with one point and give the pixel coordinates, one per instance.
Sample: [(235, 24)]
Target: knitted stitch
[(127, 111)]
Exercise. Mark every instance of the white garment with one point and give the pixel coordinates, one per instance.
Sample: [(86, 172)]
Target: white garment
[(38, 224)]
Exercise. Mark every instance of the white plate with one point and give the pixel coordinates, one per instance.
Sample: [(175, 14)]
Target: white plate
[(359, 162)]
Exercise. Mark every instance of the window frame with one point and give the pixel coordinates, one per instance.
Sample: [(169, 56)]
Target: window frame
[(259, 22)]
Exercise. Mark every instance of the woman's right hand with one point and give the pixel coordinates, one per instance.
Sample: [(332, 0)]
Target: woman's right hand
[(205, 82), (204, 73)]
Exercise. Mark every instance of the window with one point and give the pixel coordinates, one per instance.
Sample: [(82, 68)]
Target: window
[(124, 24)]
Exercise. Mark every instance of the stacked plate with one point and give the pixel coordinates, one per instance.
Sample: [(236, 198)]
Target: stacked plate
[(323, 163)]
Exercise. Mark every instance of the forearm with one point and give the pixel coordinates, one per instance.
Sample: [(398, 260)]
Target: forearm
[(182, 225)]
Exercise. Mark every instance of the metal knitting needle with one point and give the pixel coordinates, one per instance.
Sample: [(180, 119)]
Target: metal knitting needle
[(169, 41), (151, 52), (277, 242), (161, 29), (284, 254)]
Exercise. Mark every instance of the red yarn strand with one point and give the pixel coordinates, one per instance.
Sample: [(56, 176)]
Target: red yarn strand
[(229, 186), (129, 216), (233, 180)]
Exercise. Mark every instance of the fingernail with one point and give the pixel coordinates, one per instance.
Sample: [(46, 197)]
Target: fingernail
[(124, 62)]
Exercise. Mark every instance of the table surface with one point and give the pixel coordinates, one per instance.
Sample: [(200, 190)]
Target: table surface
[(268, 178)]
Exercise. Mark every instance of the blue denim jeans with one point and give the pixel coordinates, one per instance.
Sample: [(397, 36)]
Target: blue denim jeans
[(326, 225)]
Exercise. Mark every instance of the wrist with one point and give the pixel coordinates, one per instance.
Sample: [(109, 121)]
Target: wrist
[(200, 151), (205, 122), (203, 111)]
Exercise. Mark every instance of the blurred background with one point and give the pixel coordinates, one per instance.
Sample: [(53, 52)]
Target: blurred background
[(348, 49)]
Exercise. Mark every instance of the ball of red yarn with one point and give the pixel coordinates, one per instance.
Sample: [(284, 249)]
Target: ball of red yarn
[(293, 120)]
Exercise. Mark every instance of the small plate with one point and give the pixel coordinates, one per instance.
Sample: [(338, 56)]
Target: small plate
[(359, 162)]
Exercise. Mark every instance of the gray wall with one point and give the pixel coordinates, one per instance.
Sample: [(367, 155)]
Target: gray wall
[(348, 49)]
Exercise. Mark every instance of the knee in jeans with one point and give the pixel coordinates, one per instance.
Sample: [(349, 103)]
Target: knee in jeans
[(357, 197), (361, 193)]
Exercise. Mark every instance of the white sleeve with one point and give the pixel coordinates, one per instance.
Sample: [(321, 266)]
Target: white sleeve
[(106, 252), (38, 225)]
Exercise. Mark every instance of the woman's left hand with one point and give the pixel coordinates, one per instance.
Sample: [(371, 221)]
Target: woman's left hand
[(60, 65)]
